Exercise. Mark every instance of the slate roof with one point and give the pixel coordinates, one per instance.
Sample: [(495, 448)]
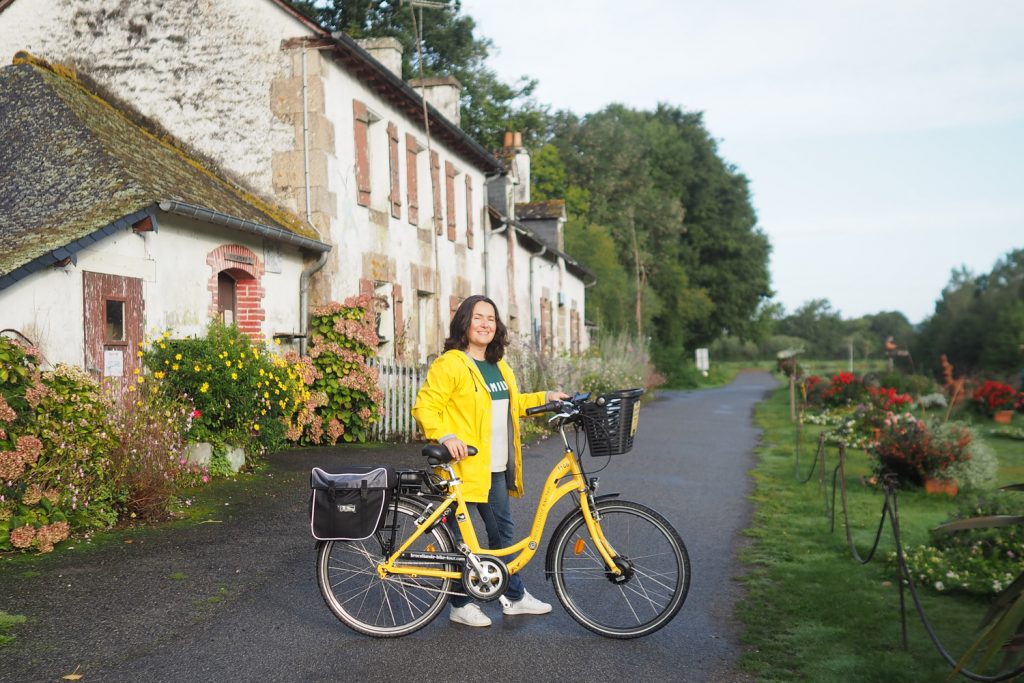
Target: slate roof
[(72, 165)]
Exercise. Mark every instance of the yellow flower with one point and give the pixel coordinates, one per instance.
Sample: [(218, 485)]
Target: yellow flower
[(239, 365), (277, 340), (209, 367), (227, 364), (206, 387), (160, 374), (131, 387), (139, 354), (136, 371), (167, 362), (177, 356), (262, 372), (263, 412), (167, 334), (256, 426), (162, 345), (234, 375), (174, 367), (197, 368), (140, 380), (266, 394)]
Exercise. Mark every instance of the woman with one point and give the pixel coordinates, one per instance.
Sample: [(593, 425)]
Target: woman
[(471, 397)]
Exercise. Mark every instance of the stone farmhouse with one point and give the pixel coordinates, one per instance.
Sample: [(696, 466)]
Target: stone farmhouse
[(381, 190)]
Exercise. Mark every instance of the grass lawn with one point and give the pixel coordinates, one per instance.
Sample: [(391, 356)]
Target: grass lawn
[(812, 612)]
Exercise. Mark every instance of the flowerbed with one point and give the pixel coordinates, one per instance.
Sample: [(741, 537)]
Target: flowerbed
[(979, 561)]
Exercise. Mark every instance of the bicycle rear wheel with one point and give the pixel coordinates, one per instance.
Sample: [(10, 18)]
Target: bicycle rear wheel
[(655, 565), (384, 608)]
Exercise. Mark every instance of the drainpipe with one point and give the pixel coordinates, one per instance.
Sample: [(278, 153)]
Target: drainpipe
[(533, 321), (308, 272)]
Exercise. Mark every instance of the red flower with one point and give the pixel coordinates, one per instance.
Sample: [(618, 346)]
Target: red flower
[(196, 414)]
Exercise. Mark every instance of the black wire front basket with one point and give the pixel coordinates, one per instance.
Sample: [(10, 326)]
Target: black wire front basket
[(610, 421)]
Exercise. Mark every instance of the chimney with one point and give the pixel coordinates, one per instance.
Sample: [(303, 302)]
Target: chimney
[(520, 158), (442, 93), (387, 51)]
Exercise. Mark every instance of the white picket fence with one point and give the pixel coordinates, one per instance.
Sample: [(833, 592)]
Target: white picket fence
[(399, 384)]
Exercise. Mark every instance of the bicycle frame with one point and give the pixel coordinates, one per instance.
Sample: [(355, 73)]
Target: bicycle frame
[(568, 466)]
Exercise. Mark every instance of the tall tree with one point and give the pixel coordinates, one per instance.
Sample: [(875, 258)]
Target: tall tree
[(680, 216), (450, 46)]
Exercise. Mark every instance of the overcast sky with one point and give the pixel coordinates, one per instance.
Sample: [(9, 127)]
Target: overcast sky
[(884, 140)]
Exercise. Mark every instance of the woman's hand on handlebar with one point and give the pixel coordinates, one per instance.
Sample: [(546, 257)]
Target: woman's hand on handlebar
[(557, 396)]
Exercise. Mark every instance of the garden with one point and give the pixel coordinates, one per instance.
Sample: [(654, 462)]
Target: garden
[(948, 461), (77, 456)]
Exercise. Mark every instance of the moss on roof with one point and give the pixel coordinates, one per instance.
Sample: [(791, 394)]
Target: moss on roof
[(71, 164), (551, 208)]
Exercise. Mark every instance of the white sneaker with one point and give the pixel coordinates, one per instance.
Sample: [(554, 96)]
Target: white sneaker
[(470, 614), (525, 605)]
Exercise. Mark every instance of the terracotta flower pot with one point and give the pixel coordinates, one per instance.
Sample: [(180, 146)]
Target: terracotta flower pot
[(934, 487), (1003, 417)]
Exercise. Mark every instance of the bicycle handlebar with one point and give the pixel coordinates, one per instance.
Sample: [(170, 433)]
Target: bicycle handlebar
[(569, 405)]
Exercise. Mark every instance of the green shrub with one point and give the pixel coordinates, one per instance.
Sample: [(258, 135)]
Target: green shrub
[(147, 462), (242, 394)]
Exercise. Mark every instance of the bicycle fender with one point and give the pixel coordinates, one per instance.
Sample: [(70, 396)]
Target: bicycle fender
[(549, 558)]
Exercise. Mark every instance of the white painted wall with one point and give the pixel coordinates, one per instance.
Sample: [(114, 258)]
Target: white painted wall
[(48, 306)]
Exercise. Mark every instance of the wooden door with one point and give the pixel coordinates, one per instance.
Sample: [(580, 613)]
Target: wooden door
[(113, 324)]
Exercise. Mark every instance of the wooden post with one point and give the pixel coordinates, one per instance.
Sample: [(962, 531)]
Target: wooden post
[(792, 396)]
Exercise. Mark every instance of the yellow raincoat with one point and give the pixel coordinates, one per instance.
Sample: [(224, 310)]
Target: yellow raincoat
[(454, 401)]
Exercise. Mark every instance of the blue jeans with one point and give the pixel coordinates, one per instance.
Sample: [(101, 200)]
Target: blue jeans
[(496, 514)]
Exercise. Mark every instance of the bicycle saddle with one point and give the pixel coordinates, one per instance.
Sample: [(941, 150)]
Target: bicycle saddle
[(437, 454)]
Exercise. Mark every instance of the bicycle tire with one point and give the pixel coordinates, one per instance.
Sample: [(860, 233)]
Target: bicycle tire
[(384, 608), (656, 564)]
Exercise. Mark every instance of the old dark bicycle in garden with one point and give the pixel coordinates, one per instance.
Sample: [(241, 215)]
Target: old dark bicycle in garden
[(618, 567)]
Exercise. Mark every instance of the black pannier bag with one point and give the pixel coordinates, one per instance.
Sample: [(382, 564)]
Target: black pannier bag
[(349, 505)]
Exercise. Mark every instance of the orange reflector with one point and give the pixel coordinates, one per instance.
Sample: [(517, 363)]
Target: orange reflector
[(430, 548), (578, 548)]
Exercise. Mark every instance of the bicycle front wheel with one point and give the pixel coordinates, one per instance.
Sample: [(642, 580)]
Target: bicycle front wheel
[(385, 608), (655, 571)]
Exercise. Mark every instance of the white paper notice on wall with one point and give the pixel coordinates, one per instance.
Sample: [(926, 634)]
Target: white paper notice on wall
[(113, 363)]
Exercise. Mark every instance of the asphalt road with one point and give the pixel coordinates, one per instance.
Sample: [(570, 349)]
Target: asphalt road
[(235, 598)]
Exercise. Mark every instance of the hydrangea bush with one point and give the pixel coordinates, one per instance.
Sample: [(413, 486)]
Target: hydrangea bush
[(348, 394)]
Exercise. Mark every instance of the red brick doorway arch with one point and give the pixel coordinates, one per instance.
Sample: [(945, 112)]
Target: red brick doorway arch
[(233, 263)]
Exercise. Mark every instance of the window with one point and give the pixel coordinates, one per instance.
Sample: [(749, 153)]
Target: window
[(114, 312)]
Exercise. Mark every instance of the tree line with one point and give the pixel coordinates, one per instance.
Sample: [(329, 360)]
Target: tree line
[(977, 323), (668, 225)]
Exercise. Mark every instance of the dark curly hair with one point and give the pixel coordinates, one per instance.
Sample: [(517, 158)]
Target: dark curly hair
[(457, 338)]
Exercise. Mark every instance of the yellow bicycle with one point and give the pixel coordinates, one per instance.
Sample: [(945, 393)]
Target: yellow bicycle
[(618, 567)]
